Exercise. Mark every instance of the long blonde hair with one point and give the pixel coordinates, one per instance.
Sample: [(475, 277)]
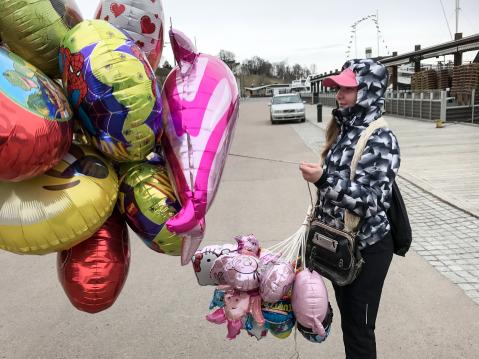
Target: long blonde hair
[(332, 133)]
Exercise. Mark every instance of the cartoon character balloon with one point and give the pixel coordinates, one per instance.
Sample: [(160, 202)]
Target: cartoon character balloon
[(276, 281), (147, 200), (36, 122), (248, 245), (142, 20), (204, 259), (93, 272), (60, 208), (279, 318), (236, 306), (200, 98), (113, 90), (234, 309), (33, 29), (236, 270)]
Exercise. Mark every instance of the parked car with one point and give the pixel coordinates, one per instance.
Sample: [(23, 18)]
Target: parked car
[(287, 107)]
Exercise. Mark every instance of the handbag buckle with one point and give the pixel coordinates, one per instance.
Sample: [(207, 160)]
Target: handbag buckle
[(325, 242)]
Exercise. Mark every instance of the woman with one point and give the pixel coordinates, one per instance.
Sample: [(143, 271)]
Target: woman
[(361, 86)]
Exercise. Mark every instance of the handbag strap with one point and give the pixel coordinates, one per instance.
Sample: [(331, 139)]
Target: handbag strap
[(351, 221)]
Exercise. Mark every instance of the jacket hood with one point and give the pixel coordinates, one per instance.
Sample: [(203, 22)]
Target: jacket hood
[(372, 78)]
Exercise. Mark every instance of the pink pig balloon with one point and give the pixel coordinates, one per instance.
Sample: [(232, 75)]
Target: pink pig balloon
[(310, 300), (236, 270), (200, 99)]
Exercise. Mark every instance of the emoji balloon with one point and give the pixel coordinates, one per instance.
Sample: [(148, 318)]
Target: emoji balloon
[(60, 208)]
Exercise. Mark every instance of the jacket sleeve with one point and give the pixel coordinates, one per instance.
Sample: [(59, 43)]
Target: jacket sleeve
[(369, 192)]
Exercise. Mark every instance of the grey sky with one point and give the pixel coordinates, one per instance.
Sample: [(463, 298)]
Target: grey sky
[(311, 31)]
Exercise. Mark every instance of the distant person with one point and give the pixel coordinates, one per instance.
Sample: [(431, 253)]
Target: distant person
[(361, 86)]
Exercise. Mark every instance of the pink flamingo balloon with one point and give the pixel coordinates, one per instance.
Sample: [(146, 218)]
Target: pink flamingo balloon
[(201, 102)]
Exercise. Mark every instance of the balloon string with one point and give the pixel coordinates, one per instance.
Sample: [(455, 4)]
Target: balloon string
[(294, 247), (296, 354), (262, 158)]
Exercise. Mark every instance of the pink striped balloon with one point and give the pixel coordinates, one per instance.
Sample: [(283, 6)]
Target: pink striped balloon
[(201, 101)]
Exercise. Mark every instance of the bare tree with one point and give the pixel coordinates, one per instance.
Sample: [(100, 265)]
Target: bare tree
[(227, 56)]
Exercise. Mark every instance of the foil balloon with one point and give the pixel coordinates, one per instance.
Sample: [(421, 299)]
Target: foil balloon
[(236, 270), (308, 333), (93, 272), (248, 245), (200, 98), (279, 318), (147, 200), (218, 300), (277, 281), (36, 122), (253, 328), (113, 90), (33, 29), (310, 301), (60, 208), (236, 307), (142, 20), (204, 259)]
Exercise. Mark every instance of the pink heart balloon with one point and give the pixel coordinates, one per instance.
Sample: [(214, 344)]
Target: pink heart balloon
[(201, 102)]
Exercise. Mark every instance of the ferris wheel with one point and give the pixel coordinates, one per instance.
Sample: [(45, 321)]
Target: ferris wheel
[(371, 18)]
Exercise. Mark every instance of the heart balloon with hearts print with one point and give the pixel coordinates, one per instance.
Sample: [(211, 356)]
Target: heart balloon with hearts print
[(142, 20)]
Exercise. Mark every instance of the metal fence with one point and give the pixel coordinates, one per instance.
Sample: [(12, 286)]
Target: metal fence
[(429, 105)]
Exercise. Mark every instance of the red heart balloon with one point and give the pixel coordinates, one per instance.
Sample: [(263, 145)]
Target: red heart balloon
[(147, 27), (117, 9), (93, 272)]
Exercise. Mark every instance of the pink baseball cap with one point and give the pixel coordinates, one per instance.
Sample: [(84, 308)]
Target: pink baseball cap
[(346, 78)]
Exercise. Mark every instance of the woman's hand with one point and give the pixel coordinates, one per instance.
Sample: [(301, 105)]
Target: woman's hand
[(311, 172)]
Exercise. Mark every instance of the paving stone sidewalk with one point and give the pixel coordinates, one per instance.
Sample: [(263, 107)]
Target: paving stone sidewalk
[(444, 235)]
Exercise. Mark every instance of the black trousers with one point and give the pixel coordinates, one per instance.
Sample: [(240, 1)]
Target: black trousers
[(359, 301)]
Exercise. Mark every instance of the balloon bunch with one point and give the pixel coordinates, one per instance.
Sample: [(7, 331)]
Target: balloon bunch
[(80, 161), (245, 280), (264, 291)]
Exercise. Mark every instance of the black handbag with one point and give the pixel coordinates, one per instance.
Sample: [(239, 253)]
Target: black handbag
[(332, 252)]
